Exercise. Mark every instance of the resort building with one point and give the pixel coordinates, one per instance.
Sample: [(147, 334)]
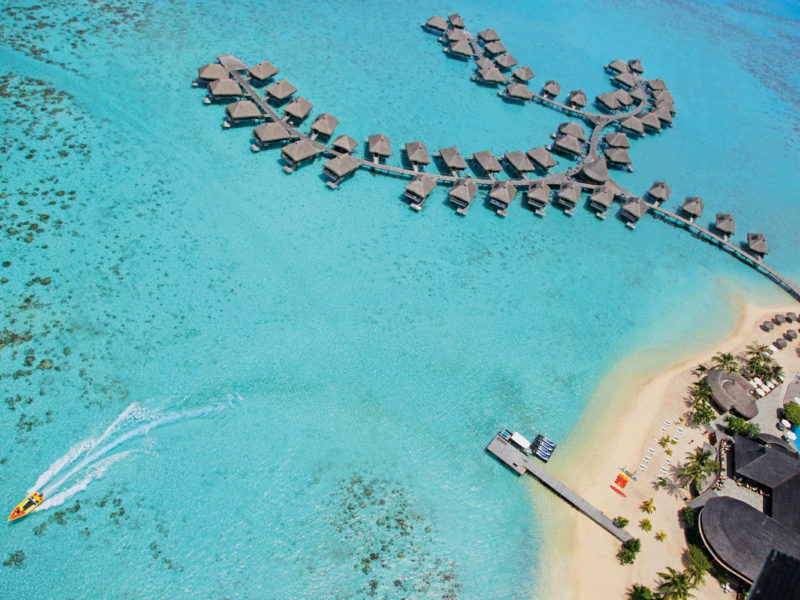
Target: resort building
[(577, 99), (633, 210), (280, 91), (299, 152), (731, 392), (263, 71), (568, 196), (551, 89), (418, 189), (538, 196), (757, 245), (379, 146), (601, 200), (452, 159), (692, 207), (506, 61), (725, 224), (523, 74), (344, 143), (462, 194), (542, 158), (417, 153), (487, 162), (659, 192), (324, 125), (502, 195), (519, 162)]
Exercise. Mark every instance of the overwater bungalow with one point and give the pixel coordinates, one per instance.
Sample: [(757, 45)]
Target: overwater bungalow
[(223, 90), (506, 61), (636, 66), (230, 62), (692, 208), (262, 72), (577, 99), (456, 35), (519, 162), (665, 105), (456, 21), (572, 128), (490, 75), (484, 63), (344, 143), (269, 134), (241, 112), (488, 35), (757, 245), (664, 115), (633, 210), (617, 139), (626, 80), (568, 145), (487, 162), (379, 146), (617, 66), (657, 85), (659, 192), (280, 91), (568, 196), (418, 189), (502, 195), (638, 94), (632, 124), (663, 97), (725, 225), (460, 49), (551, 89), (650, 121), (594, 171), (298, 153), (435, 24), (211, 72), (495, 48), (518, 91), (617, 157), (452, 159), (623, 97), (462, 194), (601, 200), (337, 169), (523, 74), (417, 153), (608, 101), (538, 196), (298, 109), (324, 125), (542, 158)]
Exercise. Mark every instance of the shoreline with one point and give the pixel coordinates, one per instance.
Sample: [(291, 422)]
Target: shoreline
[(648, 389)]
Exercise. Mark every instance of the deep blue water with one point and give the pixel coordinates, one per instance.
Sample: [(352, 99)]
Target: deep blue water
[(375, 351)]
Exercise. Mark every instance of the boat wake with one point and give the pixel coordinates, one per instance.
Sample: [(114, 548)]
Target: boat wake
[(90, 459)]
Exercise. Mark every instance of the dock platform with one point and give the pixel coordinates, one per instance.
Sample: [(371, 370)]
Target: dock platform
[(521, 463)]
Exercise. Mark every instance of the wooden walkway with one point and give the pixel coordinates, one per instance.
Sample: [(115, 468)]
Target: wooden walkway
[(598, 123), (522, 463)]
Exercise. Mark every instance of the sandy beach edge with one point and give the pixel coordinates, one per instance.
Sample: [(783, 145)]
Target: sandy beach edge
[(626, 411)]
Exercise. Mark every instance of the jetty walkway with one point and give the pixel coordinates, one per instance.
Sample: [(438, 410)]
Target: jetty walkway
[(644, 99), (522, 463)]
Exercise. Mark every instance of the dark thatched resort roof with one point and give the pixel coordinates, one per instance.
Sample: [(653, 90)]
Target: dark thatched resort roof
[(609, 101), (632, 124), (731, 392), (344, 143), (224, 88), (340, 166), (636, 66), (574, 129), (487, 161), (725, 224), (617, 139), (618, 66), (379, 145), (602, 198), (595, 170), (693, 206), (538, 194), (263, 71), (452, 158), (551, 88), (617, 156), (491, 74), (417, 153), (542, 158), (519, 161), (211, 72), (626, 79), (461, 48), (757, 243), (488, 35), (493, 48), (437, 23), (299, 151), (523, 73), (420, 187), (298, 108), (456, 21), (502, 194), (281, 90), (271, 132), (660, 191), (568, 144), (577, 98), (519, 91), (506, 61), (463, 192), (325, 124), (243, 110), (634, 209)]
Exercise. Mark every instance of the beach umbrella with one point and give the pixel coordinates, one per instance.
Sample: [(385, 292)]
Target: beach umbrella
[(790, 316), (790, 435), (767, 326), (792, 333), (780, 343), (779, 319)]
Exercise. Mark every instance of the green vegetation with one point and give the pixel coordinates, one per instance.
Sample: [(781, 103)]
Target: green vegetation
[(675, 585), (791, 412), (697, 564), (689, 516), (640, 592), (661, 536), (738, 426), (648, 506), (627, 553), (760, 364), (725, 361), (646, 525), (620, 521), (699, 465)]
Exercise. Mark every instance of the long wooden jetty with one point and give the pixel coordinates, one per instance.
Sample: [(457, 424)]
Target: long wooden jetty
[(521, 463), (646, 99)]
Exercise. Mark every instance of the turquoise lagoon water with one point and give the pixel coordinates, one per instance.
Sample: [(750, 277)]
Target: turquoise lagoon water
[(255, 387)]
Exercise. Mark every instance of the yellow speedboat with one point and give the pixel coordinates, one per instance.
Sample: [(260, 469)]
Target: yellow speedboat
[(26, 506)]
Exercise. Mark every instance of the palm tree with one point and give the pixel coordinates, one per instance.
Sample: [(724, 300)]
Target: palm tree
[(675, 585), (697, 564), (661, 536), (648, 506), (645, 524), (755, 349), (702, 390), (699, 465), (640, 592), (776, 372), (664, 440), (701, 369), (725, 361)]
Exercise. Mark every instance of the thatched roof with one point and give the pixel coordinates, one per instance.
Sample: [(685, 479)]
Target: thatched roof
[(572, 128), (325, 124), (664, 115), (577, 98), (212, 71), (230, 62), (637, 94), (633, 124), (693, 206), (488, 35), (487, 161), (626, 79), (617, 139), (281, 90), (725, 223), (224, 88), (617, 65), (595, 170), (452, 158), (650, 120), (636, 65), (523, 73), (491, 75), (657, 85), (380, 145), (730, 392), (757, 243), (464, 191), (461, 47), (569, 193), (271, 132), (519, 90), (438, 23), (456, 35), (300, 150), (485, 63), (243, 109), (538, 192), (635, 208), (495, 48), (417, 153), (551, 88), (503, 192), (341, 166), (602, 196), (618, 156), (519, 161), (542, 157), (660, 191), (263, 71), (609, 100), (624, 97), (456, 21), (298, 108), (568, 143), (344, 143), (421, 186), (506, 61)]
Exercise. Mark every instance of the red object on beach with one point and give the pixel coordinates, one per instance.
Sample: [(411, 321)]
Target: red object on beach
[(621, 481), (620, 492)]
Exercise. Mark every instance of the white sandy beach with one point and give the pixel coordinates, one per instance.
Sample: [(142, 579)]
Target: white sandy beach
[(624, 420)]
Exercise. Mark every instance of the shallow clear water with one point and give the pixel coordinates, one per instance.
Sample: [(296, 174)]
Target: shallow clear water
[(375, 350)]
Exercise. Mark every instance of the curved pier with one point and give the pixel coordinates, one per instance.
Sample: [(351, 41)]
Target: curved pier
[(647, 92)]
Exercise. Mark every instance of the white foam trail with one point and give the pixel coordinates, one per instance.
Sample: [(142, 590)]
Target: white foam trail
[(60, 463), (92, 473)]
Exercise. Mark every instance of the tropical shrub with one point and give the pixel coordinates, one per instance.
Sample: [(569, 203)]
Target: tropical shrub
[(648, 506), (791, 412), (689, 516), (620, 521), (627, 553), (640, 592), (738, 426), (697, 564), (701, 412), (646, 525)]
